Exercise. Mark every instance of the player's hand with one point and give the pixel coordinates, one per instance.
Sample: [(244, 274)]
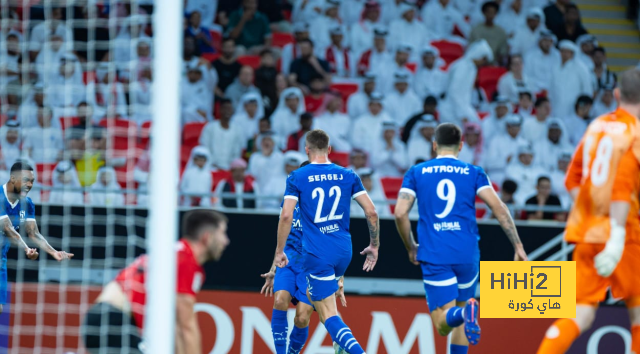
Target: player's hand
[(61, 256), (520, 255), (413, 255), (607, 260), (340, 292), (372, 258), (32, 253), (267, 288), (281, 260)]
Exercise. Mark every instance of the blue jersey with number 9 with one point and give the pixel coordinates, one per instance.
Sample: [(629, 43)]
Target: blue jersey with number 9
[(324, 193), (445, 189)]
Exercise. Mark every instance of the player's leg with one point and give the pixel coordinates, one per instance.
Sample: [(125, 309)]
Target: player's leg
[(624, 284), (441, 288), (304, 309), (108, 330), (591, 289), (284, 285), (459, 343)]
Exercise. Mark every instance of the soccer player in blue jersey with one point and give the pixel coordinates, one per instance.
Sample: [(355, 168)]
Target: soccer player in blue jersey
[(16, 209), (323, 192), (448, 252)]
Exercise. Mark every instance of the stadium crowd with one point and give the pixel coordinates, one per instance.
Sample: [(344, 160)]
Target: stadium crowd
[(522, 77)]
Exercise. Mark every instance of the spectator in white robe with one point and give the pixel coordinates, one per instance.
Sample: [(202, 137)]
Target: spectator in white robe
[(66, 185), (320, 25), (402, 102), (604, 102), (551, 145), (10, 57), (467, 7), (558, 175), (525, 106), (441, 18), (586, 44), (10, 143), (524, 172), (273, 194), (570, 80), (196, 183), (472, 147), (539, 61), (534, 130), (430, 80), (601, 75), (512, 82), (351, 11), (43, 143), (141, 176), (52, 50), (285, 119), (369, 125), (457, 106), (358, 103), (409, 30), (66, 88), (247, 115), (337, 54), (207, 9), (386, 73), (106, 191), (420, 146), (306, 10), (479, 100), (525, 37), (335, 123), (495, 124), (391, 10), (379, 57), (224, 140), (106, 94), (263, 164), (140, 96), (502, 149), (361, 32), (52, 26), (372, 185), (196, 96), (28, 111), (389, 157), (132, 29), (291, 51), (577, 122), (511, 17)]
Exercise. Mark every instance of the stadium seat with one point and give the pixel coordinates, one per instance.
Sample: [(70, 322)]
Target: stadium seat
[(210, 57), (185, 152), (145, 134), (280, 39), (480, 213), (391, 186), (45, 173), (345, 88), (250, 60), (217, 40), (412, 67), (219, 176), (449, 51), (191, 134), (122, 134), (488, 77), (88, 76), (68, 122), (339, 158)]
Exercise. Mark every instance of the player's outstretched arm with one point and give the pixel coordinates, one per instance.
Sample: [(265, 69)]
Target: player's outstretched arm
[(187, 329), (284, 229), (17, 240), (403, 224), (500, 210), (374, 231), (34, 234)]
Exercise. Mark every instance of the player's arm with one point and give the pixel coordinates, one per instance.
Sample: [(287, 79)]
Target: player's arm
[(374, 231), (34, 234), (403, 224), (15, 237), (284, 229), (187, 329), (573, 178), (501, 212)]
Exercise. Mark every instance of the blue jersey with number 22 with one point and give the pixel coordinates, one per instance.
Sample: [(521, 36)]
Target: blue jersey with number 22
[(324, 193), (445, 189)]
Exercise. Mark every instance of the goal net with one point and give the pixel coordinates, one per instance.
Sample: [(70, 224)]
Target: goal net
[(75, 102)]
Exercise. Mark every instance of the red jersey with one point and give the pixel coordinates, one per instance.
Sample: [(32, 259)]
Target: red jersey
[(190, 277)]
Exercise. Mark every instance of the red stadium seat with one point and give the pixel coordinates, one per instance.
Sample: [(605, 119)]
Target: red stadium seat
[(391, 186), (280, 39), (480, 213), (185, 152), (88, 76), (122, 134), (346, 89), (250, 60), (217, 40), (339, 158), (412, 67), (45, 173), (210, 57), (145, 134), (219, 176), (191, 134), (68, 122), (488, 77), (449, 51)]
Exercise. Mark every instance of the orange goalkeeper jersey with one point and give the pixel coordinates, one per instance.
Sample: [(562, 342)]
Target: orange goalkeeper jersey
[(605, 168)]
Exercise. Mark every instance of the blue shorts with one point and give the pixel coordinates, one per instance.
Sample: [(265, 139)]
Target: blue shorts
[(446, 282), (323, 274), (292, 279)]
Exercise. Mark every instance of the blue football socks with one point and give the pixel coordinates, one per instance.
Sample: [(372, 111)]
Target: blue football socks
[(455, 317), (297, 339), (280, 330), (342, 335)]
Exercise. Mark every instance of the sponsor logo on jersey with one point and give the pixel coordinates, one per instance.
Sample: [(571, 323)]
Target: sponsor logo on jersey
[(448, 169), (447, 226), (22, 215), (329, 229), (614, 128), (326, 177), (296, 224)]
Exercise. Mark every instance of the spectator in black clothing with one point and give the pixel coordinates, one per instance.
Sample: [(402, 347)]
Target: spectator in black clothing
[(273, 10), (542, 199), (572, 28), (308, 67), (227, 66), (554, 15), (509, 188), (429, 107), (265, 81), (225, 8)]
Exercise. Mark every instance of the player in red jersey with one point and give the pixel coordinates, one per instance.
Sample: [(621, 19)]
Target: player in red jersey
[(114, 323)]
